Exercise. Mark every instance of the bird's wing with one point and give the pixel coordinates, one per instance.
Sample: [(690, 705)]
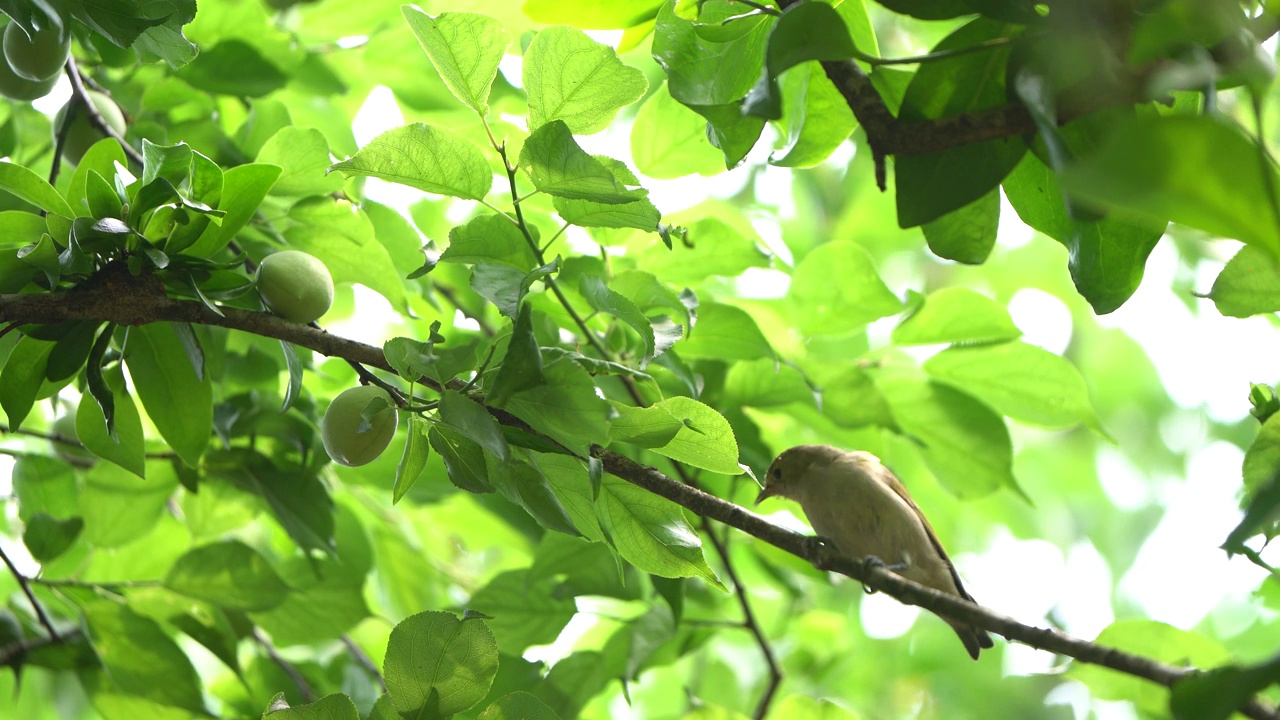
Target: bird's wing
[(896, 485)]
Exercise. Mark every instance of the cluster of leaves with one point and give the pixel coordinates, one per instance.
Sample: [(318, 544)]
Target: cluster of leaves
[(212, 512)]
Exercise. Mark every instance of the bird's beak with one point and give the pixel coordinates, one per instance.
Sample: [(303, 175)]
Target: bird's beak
[(768, 492)]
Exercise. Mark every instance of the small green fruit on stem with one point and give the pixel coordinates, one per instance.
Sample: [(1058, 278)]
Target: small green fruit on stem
[(295, 285), (39, 56), (340, 427)]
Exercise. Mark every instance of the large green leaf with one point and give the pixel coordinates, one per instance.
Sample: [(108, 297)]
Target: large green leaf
[(1248, 285), (330, 707), (119, 507), (139, 658), (709, 71), (967, 234), (1022, 381), (518, 706), (1201, 171), (668, 140), (805, 32), (298, 500), (465, 48), (956, 315), (524, 610), (566, 407), (963, 441), (20, 380), (25, 184), (229, 574), (489, 238), (705, 439), (303, 157), (836, 289), (243, 189), (437, 665), (425, 157), (651, 532), (177, 401), (930, 185), (559, 166), (126, 448), (727, 332), (573, 78), (1107, 256)]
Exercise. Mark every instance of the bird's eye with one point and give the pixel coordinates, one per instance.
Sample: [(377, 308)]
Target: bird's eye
[(777, 473)]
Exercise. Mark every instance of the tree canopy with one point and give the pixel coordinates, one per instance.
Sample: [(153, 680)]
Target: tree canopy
[(562, 278)]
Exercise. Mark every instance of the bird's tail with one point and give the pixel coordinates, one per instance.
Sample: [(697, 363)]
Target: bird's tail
[(975, 639)]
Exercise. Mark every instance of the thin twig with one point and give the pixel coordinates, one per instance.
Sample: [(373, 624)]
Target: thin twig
[(81, 97), (363, 660), (451, 295), (305, 693), (25, 584)]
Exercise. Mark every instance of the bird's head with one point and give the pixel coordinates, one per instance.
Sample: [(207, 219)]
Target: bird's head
[(787, 473)]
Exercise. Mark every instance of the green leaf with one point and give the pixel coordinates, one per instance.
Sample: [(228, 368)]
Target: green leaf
[(956, 315), (294, 365), (558, 166), (704, 71), (852, 399), (1107, 256), (836, 289), (806, 31), (570, 480), (505, 286), (1157, 641), (963, 442), (525, 486), (646, 427), (705, 439), (1217, 693), (639, 213), (179, 403), (1248, 285), (518, 706), (566, 408), (731, 131), (725, 331), (524, 609), (473, 421), (489, 238), (592, 14), (570, 77), (47, 537), (298, 500), (651, 532), (767, 383), (303, 156), (119, 507), (126, 448), (139, 658), (44, 485), (25, 184), (20, 380), (668, 140), (463, 459), (334, 231), (816, 116), (931, 185), (1019, 380), (1200, 171), (967, 234), (720, 241), (234, 67), (603, 299), (521, 369), (243, 189), (425, 157), (417, 450), (437, 665), (228, 574), (330, 707), (465, 48)]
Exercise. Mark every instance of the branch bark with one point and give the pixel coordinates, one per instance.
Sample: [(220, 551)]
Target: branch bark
[(125, 300)]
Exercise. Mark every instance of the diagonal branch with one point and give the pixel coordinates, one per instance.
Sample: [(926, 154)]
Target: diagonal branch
[(134, 301)]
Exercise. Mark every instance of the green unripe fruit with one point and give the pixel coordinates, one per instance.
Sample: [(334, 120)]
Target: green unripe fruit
[(65, 427), (21, 89), (295, 285), (38, 57), (81, 135), (340, 427)]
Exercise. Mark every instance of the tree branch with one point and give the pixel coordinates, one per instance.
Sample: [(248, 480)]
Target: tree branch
[(135, 301), (31, 596)]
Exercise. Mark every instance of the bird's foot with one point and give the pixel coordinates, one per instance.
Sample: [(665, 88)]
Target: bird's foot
[(819, 550), (871, 561)]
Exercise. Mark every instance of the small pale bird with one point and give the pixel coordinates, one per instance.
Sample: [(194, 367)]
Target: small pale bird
[(855, 502)]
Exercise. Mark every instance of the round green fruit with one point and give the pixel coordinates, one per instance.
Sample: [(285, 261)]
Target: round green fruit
[(340, 427), (36, 57), (18, 88), (81, 135), (65, 427), (295, 285)]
